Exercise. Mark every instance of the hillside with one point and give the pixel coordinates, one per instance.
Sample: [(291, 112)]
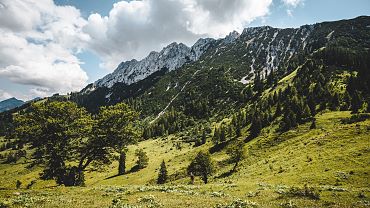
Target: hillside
[(9, 104), (333, 159), (266, 118)]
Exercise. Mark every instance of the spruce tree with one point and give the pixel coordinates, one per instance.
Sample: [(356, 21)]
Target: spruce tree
[(356, 102), (162, 175), (313, 124), (256, 127), (204, 137)]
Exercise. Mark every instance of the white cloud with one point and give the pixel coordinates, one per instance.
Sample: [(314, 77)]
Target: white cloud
[(39, 43), (39, 40), (293, 3), (133, 29), (289, 12), (4, 95)]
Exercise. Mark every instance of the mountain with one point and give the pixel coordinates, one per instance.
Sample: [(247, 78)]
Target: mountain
[(171, 57), (257, 52), (10, 104)]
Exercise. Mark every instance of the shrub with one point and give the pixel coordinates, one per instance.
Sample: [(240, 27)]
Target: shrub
[(142, 159), (238, 203), (306, 191), (118, 203)]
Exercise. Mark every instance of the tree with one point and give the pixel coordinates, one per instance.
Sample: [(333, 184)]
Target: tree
[(116, 127), (356, 102), (238, 131), (204, 137), (313, 124), (202, 166), (256, 127), (122, 163), (306, 112), (162, 175), (18, 184), (236, 153), (142, 159), (60, 133)]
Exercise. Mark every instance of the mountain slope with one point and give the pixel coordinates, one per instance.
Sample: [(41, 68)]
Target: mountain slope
[(10, 104), (257, 52)]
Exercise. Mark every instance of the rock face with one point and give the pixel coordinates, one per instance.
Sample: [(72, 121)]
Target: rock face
[(171, 57)]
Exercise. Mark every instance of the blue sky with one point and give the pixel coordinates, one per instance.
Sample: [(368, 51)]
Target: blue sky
[(84, 42)]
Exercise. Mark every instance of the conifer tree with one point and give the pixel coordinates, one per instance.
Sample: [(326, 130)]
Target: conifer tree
[(204, 137), (256, 127), (313, 124), (162, 175)]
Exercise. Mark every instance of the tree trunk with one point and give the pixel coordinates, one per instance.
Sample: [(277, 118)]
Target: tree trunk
[(235, 166), (205, 178), (122, 163)]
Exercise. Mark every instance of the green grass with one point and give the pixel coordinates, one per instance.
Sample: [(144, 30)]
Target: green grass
[(333, 159)]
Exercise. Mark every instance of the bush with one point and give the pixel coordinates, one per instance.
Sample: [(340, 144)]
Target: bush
[(238, 203), (306, 191), (142, 159), (118, 203)]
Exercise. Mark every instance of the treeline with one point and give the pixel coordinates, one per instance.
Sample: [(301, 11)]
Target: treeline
[(170, 122)]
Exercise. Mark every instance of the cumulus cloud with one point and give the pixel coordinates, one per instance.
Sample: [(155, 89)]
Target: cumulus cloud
[(40, 41), (38, 44), (133, 29)]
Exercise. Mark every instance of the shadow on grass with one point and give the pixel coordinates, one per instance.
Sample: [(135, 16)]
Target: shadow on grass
[(225, 174), (218, 147)]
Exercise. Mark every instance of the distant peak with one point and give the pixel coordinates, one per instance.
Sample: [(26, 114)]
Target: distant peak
[(231, 37)]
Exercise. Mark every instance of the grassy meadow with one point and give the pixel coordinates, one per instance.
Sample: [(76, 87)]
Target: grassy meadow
[(324, 167)]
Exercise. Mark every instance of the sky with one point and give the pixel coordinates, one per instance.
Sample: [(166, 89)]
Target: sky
[(60, 46)]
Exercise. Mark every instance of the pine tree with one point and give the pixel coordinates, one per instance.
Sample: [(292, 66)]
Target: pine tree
[(356, 102), (256, 127), (216, 136), (313, 124), (204, 137), (162, 175), (222, 134), (238, 131), (335, 102), (306, 112)]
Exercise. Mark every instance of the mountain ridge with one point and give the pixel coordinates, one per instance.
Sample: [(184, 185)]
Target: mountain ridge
[(10, 103)]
